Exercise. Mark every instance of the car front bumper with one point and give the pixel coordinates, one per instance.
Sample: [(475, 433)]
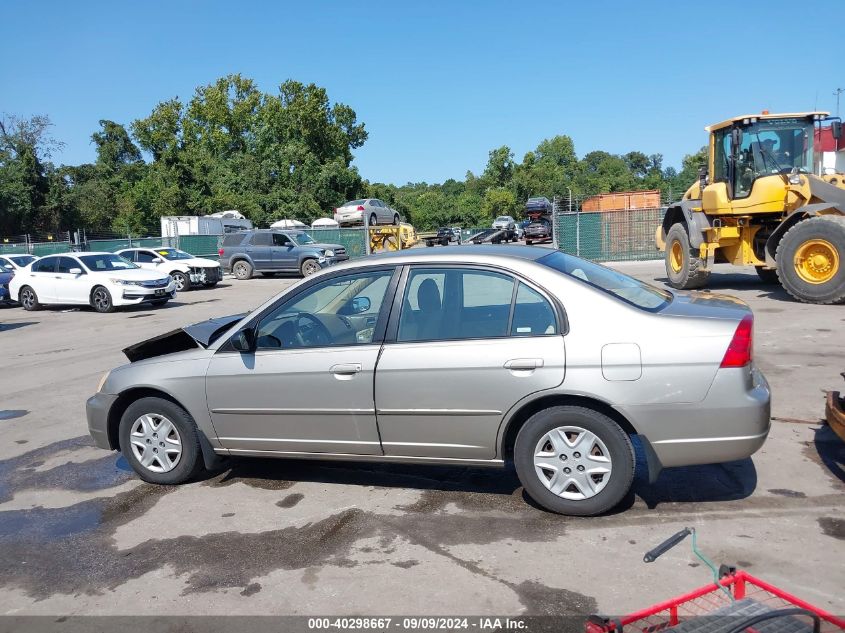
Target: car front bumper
[(206, 275), (133, 295), (731, 423), (97, 411)]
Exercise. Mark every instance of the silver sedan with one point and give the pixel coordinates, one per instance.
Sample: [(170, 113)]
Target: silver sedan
[(471, 355)]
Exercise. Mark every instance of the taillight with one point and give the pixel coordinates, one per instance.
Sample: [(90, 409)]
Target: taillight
[(739, 351), (360, 207), (220, 252)]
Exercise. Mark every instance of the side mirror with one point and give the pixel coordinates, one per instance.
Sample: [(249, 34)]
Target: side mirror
[(836, 129), (75, 271), (157, 260), (360, 304), (244, 341), (736, 137), (702, 177)]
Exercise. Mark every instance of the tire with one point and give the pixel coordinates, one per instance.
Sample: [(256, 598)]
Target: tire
[(608, 440), (429, 243), (101, 300), (28, 299), (528, 242), (309, 267), (373, 219), (811, 260), (395, 219), (183, 282), (444, 242), (242, 269), (767, 275), (684, 268), (173, 468)]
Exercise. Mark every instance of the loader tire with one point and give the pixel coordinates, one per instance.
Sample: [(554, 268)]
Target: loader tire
[(811, 260), (684, 268)]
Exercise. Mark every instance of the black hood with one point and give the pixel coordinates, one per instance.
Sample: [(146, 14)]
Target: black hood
[(200, 334)]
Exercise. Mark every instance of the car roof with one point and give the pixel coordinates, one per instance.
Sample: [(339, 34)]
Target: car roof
[(487, 253)]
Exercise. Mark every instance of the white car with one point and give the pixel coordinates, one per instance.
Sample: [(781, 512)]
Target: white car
[(185, 269), (373, 210), (504, 222), (104, 281), (16, 262)]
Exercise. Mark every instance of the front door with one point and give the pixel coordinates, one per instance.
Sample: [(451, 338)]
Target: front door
[(284, 253), (71, 287), (308, 386), (469, 344)]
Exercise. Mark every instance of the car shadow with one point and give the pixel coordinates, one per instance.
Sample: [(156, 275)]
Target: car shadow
[(830, 451), (8, 327), (693, 484)]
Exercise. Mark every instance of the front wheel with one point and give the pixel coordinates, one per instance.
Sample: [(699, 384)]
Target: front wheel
[(573, 460), (28, 299), (181, 280), (684, 267), (309, 267), (160, 441), (101, 300), (811, 260)]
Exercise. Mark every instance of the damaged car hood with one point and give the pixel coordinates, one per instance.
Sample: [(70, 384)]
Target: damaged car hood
[(200, 334)]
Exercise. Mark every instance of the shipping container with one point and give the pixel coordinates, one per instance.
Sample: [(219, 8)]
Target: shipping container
[(622, 201), (178, 225)]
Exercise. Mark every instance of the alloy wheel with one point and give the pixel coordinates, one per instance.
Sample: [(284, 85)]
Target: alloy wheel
[(310, 267), (27, 299), (101, 300), (156, 443), (572, 462)]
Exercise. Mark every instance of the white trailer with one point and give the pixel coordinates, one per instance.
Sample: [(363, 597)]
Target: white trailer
[(177, 225)]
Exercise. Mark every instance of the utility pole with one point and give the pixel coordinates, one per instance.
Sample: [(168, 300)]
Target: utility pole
[(836, 94)]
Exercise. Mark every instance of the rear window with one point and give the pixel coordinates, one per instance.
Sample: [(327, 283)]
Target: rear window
[(630, 290), (354, 203), (233, 239)]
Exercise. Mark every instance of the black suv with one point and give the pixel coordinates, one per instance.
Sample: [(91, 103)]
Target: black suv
[(276, 251)]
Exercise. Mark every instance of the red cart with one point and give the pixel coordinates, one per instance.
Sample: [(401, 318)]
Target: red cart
[(735, 602)]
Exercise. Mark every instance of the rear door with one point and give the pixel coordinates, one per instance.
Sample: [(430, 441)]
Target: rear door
[(260, 250), (468, 344), (42, 279)]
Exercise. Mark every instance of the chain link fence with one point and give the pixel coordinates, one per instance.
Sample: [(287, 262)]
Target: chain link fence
[(609, 236)]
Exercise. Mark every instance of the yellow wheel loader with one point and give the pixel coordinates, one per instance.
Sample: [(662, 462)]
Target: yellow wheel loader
[(763, 200)]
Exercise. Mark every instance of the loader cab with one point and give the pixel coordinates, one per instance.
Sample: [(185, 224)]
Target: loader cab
[(751, 158)]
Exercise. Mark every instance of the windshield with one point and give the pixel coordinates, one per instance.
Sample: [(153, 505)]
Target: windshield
[(108, 261), (303, 238), (633, 291), (503, 218), (22, 260), (173, 253)]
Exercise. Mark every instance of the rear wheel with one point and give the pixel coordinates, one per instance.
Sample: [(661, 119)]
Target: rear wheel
[(160, 441), (101, 300), (574, 460), (767, 275), (309, 267), (684, 267), (528, 242), (373, 220), (28, 299), (395, 219), (242, 270), (811, 260)]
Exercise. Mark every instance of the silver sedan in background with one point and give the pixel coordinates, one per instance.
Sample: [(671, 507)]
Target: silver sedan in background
[(468, 355)]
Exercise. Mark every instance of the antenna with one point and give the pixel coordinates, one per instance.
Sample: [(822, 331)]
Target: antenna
[(836, 94)]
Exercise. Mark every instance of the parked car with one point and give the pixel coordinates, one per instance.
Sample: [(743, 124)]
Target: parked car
[(504, 222), (372, 209), (473, 355), (185, 269), (104, 281), (276, 251), (538, 231), (16, 262), (449, 234), (6, 274), (520, 229)]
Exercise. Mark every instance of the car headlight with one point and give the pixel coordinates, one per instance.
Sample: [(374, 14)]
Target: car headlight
[(328, 252), (103, 381), (124, 282)]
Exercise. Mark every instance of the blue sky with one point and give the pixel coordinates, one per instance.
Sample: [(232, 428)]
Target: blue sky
[(438, 84)]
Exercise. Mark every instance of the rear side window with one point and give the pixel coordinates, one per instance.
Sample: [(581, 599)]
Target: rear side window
[(261, 239), (233, 240), (532, 314), (46, 265), (633, 291)]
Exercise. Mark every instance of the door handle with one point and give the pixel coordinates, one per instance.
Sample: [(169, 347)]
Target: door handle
[(517, 364), (344, 369)]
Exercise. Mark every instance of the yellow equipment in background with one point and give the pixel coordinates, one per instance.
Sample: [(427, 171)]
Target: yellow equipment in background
[(760, 202), (392, 237)]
